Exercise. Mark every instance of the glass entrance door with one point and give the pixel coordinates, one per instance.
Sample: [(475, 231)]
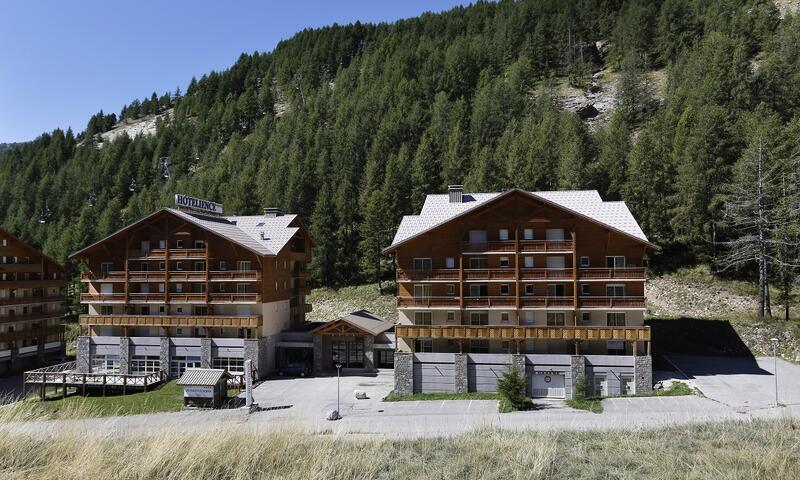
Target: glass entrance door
[(349, 353)]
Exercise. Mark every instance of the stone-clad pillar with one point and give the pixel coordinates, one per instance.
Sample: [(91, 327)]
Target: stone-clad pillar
[(403, 373), (369, 353), (205, 353), (163, 355), (460, 372), (124, 355), (83, 361), (577, 373), (518, 362), (318, 354), (643, 373)]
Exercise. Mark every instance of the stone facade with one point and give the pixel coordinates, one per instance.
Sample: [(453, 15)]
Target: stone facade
[(163, 354), (460, 371), (518, 363), (83, 363), (255, 349), (577, 373), (318, 353), (205, 353), (124, 355), (369, 353), (643, 373), (404, 373)]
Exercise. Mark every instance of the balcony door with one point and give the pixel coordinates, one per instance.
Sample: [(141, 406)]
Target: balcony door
[(421, 291), (615, 262), (478, 319), (615, 290), (478, 290), (554, 234), (423, 264), (555, 262), (555, 290)]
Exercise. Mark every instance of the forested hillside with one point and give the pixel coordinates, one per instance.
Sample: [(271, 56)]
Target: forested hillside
[(350, 126)]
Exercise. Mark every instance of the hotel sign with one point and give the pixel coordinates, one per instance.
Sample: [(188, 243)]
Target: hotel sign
[(185, 201)]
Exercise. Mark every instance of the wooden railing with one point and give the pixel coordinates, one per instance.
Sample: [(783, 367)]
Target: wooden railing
[(546, 302), (612, 302), (30, 316), (627, 273), (545, 273), (186, 276), (145, 276), (487, 302), (244, 321), (490, 246), (448, 274), (19, 300), (31, 333), (234, 275), (545, 245), (234, 297), (490, 274), (523, 333), (147, 297), (64, 375), (182, 253), (427, 302), (102, 297)]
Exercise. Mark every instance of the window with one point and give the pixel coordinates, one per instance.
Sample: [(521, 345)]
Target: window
[(504, 263), (555, 319), (179, 288), (504, 289), (584, 262), (424, 346), (144, 364), (242, 288), (451, 289), (162, 244), (616, 290), (528, 318), (478, 290), (199, 266), (221, 288), (231, 364), (145, 310), (529, 289), (478, 262), (422, 291), (504, 317), (503, 234), (626, 384), (554, 234), (145, 246), (106, 267), (528, 262), (222, 265), (143, 267), (161, 309), (450, 262), (479, 346), (200, 310), (199, 244), (106, 309), (616, 319), (423, 318), (161, 266), (243, 265), (451, 317), (385, 358), (178, 243), (615, 262), (105, 364), (178, 365), (600, 385), (423, 264), (5, 242), (615, 347), (505, 346), (160, 288), (178, 265), (478, 318), (586, 318), (586, 289), (555, 290), (180, 310), (527, 234)]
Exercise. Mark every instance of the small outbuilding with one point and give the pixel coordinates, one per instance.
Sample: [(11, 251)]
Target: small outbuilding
[(204, 387)]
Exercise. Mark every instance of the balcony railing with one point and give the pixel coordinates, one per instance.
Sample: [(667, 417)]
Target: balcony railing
[(30, 316), (545, 274), (144, 276), (545, 245), (445, 274), (612, 302), (490, 246), (488, 302), (242, 321), (27, 300), (223, 275), (39, 333), (427, 302), (145, 297), (464, 332), (546, 302), (234, 297), (490, 274), (186, 276), (102, 297), (627, 273)]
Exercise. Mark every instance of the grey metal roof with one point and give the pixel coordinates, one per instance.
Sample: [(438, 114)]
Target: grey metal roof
[(438, 210), (366, 321), (203, 377), (263, 235)]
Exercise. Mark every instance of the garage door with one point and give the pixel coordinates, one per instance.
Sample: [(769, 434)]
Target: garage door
[(548, 385), (434, 377), (483, 378)]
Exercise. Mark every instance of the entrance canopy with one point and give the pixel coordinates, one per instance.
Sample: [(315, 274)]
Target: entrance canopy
[(361, 322)]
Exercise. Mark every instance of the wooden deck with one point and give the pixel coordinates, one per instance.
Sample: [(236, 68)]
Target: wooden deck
[(63, 376)]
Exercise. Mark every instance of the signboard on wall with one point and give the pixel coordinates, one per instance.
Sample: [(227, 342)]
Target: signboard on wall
[(198, 392), (185, 201)]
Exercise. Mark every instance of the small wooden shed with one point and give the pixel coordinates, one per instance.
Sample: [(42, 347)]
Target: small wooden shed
[(204, 387)]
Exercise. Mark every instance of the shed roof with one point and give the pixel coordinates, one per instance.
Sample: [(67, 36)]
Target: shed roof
[(202, 377)]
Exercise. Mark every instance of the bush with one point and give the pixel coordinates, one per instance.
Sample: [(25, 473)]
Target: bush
[(511, 388)]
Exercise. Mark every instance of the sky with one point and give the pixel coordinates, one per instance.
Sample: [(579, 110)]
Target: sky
[(61, 62)]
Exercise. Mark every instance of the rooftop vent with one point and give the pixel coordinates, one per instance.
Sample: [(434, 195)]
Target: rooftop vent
[(456, 193), (273, 212), (264, 236)]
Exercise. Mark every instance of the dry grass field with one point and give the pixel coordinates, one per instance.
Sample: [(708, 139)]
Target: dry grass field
[(733, 450)]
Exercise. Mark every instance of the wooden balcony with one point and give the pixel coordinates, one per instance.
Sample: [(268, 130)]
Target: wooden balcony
[(546, 246), (103, 297), (234, 275), (490, 302), (116, 276), (145, 276), (546, 302), (32, 283), (428, 302), (233, 297), (153, 297), (612, 302), (491, 246), (545, 274), (31, 317), (628, 273), (30, 300), (174, 297), (186, 276), (174, 253), (489, 274), (21, 267), (245, 321), (39, 333), (438, 274), (463, 332)]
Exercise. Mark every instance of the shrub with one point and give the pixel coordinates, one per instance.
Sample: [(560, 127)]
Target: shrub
[(511, 388)]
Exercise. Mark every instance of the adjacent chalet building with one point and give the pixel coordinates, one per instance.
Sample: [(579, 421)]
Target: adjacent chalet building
[(551, 281), (180, 289), (31, 305)]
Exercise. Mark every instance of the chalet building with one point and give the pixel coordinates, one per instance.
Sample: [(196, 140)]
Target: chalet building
[(185, 289), (551, 281), (31, 305)]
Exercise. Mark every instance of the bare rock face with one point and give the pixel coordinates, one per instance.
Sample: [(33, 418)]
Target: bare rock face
[(595, 104), (602, 48)]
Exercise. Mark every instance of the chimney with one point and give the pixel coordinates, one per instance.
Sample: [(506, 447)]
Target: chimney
[(456, 193), (273, 212)]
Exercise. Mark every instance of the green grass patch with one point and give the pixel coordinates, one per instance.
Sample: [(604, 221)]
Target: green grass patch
[(393, 397), (594, 405), (675, 390), (504, 406)]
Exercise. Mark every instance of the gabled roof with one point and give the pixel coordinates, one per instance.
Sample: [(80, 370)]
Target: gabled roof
[(202, 377), (363, 320), (587, 204), (243, 230), (34, 250)]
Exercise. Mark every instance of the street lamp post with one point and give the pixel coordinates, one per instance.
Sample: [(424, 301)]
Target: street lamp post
[(775, 366), (338, 381)]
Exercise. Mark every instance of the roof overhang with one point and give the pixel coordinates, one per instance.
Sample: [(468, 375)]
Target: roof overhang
[(32, 248), (340, 327), (532, 196)]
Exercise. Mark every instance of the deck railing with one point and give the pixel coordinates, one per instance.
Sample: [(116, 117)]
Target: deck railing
[(501, 332)]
